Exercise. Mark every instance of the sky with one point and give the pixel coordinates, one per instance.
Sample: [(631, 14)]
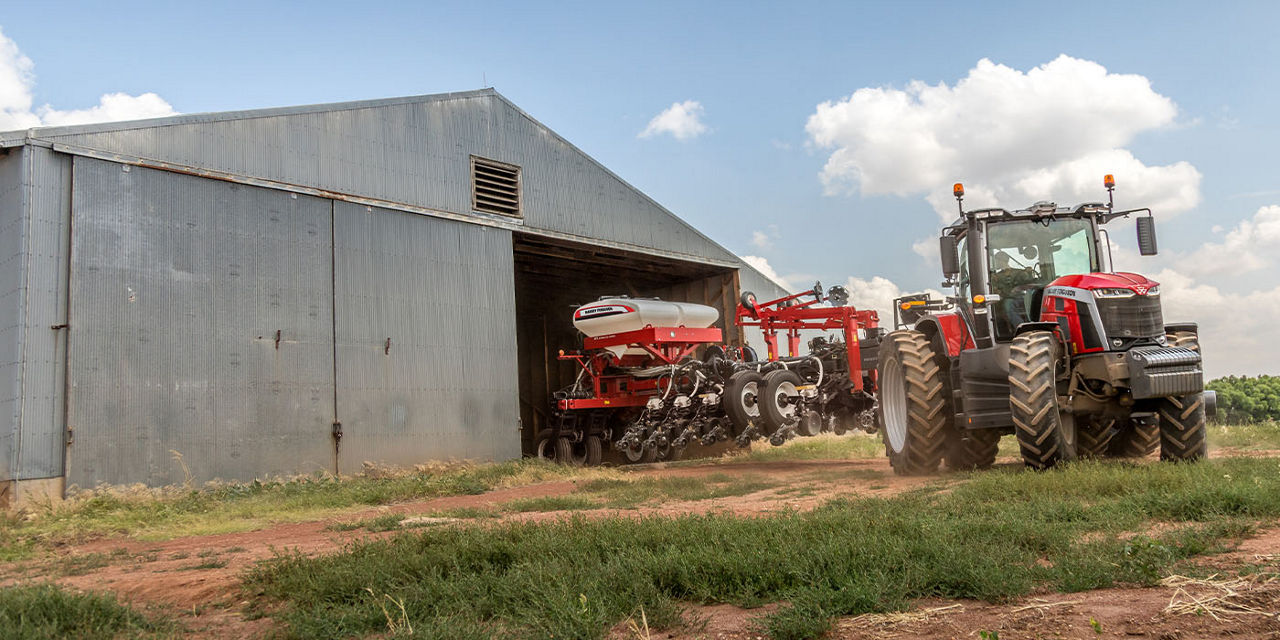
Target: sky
[(816, 140)]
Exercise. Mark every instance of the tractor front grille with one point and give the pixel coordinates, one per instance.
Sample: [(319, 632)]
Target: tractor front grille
[(1128, 318)]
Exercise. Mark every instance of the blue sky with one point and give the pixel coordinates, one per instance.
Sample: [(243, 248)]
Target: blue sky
[(598, 75)]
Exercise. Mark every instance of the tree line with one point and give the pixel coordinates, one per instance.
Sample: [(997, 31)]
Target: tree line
[(1245, 399)]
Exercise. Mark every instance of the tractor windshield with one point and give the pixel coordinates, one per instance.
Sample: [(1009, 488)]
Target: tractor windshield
[(1026, 255)]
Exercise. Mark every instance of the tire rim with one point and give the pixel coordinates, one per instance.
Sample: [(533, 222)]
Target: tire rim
[(747, 399), (782, 400), (894, 401)]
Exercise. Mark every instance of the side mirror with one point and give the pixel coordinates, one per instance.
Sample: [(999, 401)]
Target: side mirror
[(949, 253), (1147, 236)]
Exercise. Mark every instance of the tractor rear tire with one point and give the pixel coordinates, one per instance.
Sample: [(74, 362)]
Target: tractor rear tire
[(595, 450), (1135, 441), (973, 449), (741, 401), (1182, 418), (776, 405), (915, 403), (1093, 440), (1045, 438)]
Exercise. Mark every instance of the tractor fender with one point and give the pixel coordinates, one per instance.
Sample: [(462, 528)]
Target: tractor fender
[(1051, 327), (947, 332)]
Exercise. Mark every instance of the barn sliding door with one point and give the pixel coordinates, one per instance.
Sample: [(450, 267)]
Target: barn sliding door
[(425, 316), (201, 329)]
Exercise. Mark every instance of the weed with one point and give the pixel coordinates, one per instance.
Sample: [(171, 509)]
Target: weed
[(633, 491), (822, 447), (37, 611), (551, 503), (207, 564), (466, 513), (78, 565)]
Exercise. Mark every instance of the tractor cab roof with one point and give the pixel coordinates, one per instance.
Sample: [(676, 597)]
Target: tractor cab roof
[(1038, 211)]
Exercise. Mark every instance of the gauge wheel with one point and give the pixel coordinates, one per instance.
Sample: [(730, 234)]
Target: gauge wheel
[(741, 401), (778, 403)]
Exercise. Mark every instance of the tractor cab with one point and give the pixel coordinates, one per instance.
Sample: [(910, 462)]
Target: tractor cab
[(1002, 262)]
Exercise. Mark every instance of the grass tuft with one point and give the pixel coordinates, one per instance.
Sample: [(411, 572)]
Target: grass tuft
[(39, 611)]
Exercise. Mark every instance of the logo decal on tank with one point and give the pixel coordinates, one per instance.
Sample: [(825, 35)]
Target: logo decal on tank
[(602, 311)]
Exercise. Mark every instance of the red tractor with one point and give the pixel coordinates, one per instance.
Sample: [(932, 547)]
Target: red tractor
[(1043, 340)]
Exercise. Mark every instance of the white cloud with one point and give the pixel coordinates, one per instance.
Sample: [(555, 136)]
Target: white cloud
[(762, 265), (761, 240), (927, 249), (683, 120), (1234, 329), (17, 79), (878, 293), (111, 107), (1012, 137), (1252, 245)]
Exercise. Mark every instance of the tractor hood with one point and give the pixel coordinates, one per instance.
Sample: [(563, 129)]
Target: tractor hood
[(1090, 281)]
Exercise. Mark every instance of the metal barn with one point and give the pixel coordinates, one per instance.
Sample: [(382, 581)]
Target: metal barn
[(238, 295)]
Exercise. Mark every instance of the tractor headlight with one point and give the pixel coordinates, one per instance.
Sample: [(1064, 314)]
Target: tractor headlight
[(1154, 291), (1112, 293)]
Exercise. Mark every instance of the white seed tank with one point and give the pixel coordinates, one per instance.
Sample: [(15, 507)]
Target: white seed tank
[(616, 315)]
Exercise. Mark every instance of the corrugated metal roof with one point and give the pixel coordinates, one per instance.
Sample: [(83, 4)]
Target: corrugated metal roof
[(411, 153)]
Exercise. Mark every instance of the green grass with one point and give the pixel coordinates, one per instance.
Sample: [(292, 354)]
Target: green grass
[(1254, 436), (1000, 535), (165, 514), (851, 446), (551, 503), (630, 492), (38, 612)]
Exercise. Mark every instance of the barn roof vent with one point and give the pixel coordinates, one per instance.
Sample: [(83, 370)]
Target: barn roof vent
[(495, 187)]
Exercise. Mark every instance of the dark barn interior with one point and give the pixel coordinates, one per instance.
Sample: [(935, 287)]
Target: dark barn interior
[(553, 277)]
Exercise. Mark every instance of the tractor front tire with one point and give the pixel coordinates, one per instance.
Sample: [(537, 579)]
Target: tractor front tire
[(1046, 440), (1182, 418), (915, 403), (1135, 441), (1093, 439), (973, 449)]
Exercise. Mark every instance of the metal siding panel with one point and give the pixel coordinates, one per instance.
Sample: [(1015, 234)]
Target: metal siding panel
[(417, 153), (443, 292), (13, 269), (179, 286), (44, 363)]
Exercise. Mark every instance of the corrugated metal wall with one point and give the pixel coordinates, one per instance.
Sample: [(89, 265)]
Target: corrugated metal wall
[(13, 234), (181, 286), (44, 361), (442, 293), (417, 152)]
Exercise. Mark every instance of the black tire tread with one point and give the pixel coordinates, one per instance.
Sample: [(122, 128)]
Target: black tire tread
[(1093, 440), (974, 449), (929, 413), (1033, 400), (1183, 434)]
